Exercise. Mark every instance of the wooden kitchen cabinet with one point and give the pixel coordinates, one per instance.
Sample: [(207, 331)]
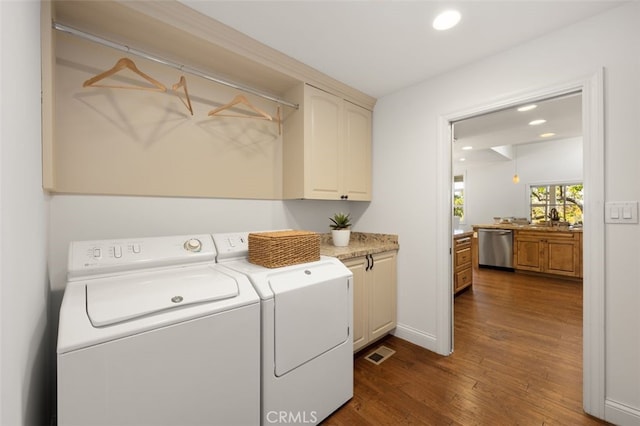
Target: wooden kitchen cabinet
[(552, 252), (462, 263), (327, 148), (374, 297)]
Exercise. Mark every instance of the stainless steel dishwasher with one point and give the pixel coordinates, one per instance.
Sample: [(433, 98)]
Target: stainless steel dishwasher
[(495, 248)]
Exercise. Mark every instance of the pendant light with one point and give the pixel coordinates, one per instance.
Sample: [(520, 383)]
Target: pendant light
[(515, 178)]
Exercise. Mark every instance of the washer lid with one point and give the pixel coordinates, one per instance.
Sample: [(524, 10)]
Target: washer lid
[(118, 299)]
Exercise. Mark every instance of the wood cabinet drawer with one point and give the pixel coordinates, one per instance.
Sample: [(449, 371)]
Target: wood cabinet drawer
[(463, 258), (460, 243), (463, 279), (462, 262), (548, 235)]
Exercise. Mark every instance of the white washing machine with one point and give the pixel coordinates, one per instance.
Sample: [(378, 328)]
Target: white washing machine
[(153, 332), (307, 340)]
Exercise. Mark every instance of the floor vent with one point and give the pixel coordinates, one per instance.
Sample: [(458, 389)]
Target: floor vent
[(380, 354)]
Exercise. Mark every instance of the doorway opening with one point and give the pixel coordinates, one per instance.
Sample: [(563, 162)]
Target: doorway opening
[(503, 164), (593, 248)]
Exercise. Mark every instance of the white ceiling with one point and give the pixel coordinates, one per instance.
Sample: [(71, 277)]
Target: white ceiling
[(510, 127), (382, 46)]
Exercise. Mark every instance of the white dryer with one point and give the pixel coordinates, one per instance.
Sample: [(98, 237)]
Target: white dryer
[(307, 340), (153, 332)]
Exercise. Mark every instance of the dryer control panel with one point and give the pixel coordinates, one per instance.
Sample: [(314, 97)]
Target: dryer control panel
[(234, 245), (231, 246), (98, 257)]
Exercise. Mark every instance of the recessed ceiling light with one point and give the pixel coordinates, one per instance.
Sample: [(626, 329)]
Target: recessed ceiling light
[(467, 148), (447, 19), (463, 159), (527, 107), (537, 122), (547, 135)]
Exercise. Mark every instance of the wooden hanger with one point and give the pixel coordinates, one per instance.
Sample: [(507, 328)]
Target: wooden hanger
[(183, 83), (241, 99), (120, 65)]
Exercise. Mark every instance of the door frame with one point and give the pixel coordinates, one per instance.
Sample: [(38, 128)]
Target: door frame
[(592, 88)]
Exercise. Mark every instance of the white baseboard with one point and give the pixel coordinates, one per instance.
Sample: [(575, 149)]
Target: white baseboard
[(417, 337), (621, 414)]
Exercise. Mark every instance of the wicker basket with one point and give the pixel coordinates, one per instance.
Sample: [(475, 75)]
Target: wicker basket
[(283, 248)]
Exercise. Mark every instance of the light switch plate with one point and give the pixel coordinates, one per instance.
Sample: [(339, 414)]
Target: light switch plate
[(621, 212)]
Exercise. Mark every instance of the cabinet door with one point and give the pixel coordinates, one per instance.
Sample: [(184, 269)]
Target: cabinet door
[(528, 253), (462, 279), (360, 303), (562, 257), (323, 137), (356, 167), (382, 286)]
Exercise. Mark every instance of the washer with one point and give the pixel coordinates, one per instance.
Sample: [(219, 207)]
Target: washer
[(307, 341), (153, 332)]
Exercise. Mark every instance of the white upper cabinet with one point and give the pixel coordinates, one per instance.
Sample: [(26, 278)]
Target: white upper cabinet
[(327, 148), (357, 149)]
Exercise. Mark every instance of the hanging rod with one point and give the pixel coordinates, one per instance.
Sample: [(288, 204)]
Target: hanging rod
[(184, 68)]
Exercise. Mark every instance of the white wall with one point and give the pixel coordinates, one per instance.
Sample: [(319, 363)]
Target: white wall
[(406, 155), (490, 191), (24, 357)]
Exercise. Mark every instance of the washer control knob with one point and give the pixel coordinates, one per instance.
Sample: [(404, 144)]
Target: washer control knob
[(193, 244)]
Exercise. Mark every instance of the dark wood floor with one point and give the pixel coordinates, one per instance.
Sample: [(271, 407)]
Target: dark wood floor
[(517, 361)]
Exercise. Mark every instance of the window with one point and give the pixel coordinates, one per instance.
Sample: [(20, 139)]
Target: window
[(566, 199), (458, 197)]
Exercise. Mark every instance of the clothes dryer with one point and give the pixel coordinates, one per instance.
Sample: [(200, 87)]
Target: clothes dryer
[(307, 340)]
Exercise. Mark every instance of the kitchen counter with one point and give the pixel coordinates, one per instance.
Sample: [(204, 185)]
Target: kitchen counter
[(537, 228), (360, 244), (458, 233)]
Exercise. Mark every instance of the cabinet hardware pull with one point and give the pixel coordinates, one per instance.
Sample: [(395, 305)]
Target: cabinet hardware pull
[(371, 261), (367, 268)]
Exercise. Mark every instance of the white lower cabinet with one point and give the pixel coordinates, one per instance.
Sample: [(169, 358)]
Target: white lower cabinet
[(374, 297)]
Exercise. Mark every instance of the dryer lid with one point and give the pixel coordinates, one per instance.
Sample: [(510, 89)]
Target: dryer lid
[(117, 299)]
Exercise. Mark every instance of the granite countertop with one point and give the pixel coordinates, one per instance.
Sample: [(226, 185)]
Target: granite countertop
[(360, 244), (458, 233), (537, 228)]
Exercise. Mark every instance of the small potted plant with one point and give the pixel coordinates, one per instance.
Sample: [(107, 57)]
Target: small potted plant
[(340, 229)]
